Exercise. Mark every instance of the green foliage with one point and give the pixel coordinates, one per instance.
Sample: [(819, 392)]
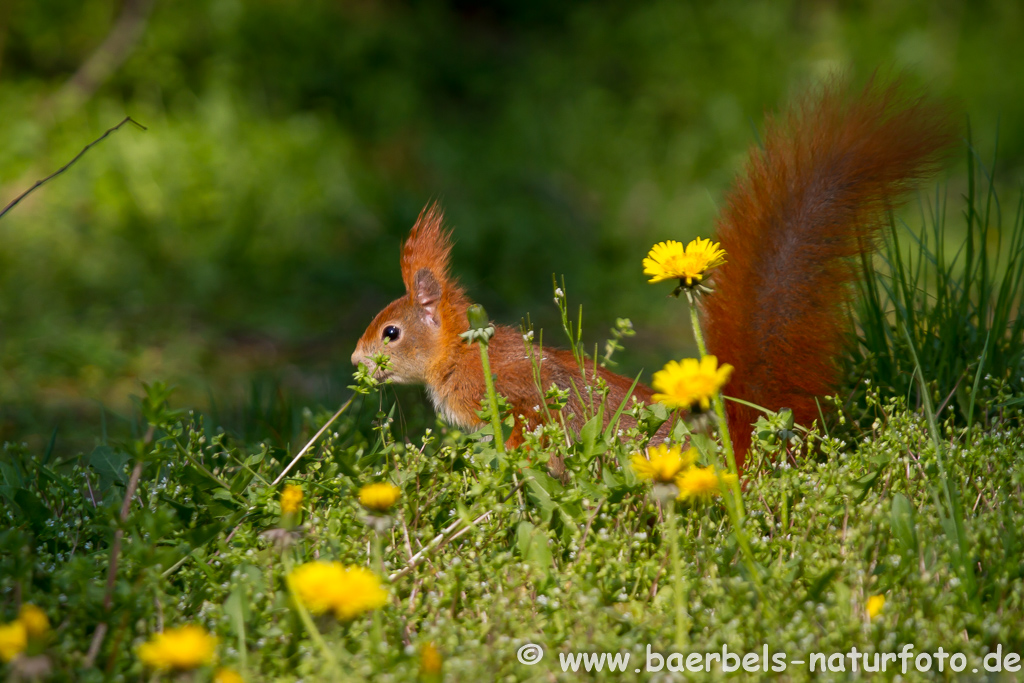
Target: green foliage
[(488, 552), (958, 312), (255, 226)]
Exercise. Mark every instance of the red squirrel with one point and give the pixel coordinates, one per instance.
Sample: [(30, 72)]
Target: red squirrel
[(812, 199)]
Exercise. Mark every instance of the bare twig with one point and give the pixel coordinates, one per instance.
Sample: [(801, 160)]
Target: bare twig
[(447, 535), (435, 543), (115, 549), (110, 54), (66, 166), (115, 553), (5, 21), (312, 441), (94, 647)]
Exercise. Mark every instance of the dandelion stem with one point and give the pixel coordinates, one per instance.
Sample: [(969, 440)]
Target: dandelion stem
[(679, 588), (734, 502), (723, 424), (378, 553), (741, 540), (307, 620), (698, 334), (377, 637)]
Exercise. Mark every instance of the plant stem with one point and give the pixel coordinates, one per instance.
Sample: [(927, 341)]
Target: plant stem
[(307, 620), (679, 588), (40, 183), (313, 440), (734, 502), (492, 397), (115, 554), (377, 633), (741, 539), (378, 553), (723, 424)]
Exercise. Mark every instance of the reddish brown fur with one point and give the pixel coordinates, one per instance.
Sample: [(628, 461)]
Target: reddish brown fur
[(429, 246), (431, 352), (811, 201)]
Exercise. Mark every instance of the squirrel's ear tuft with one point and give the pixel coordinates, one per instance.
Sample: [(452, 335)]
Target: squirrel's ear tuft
[(427, 249), (426, 293)]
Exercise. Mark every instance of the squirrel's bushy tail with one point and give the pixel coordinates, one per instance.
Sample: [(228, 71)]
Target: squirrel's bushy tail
[(813, 198)]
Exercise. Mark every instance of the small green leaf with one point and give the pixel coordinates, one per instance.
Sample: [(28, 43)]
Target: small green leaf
[(34, 510), (109, 465), (185, 512), (904, 526), (10, 474), (821, 583), (222, 494), (200, 536), (255, 459), (533, 546), (588, 436)]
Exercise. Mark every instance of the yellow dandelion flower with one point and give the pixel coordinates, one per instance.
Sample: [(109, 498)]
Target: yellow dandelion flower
[(34, 619), (875, 605), (702, 483), (662, 463), (291, 499), (430, 660), (315, 584), (329, 586), (13, 640), (690, 382), (183, 648), (227, 676), (360, 592), (379, 497), (671, 261)]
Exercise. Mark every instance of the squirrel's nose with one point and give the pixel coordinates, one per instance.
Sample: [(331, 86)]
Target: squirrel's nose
[(358, 356)]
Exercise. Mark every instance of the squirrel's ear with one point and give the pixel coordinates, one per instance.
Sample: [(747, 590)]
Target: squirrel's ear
[(428, 248), (427, 293)]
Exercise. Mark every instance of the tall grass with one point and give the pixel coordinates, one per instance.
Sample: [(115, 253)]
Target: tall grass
[(935, 322), (961, 304)]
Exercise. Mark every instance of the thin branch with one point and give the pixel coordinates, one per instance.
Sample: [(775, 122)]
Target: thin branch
[(437, 542), (5, 22), (110, 54), (312, 441), (447, 535), (66, 166), (115, 553)]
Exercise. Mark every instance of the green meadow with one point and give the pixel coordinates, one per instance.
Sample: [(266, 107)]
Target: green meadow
[(187, 447)]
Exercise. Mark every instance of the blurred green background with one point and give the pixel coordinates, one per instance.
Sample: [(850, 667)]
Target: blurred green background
[(239, 246)]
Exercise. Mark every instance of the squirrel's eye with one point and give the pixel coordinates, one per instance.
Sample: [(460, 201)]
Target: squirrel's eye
[(391, 333)]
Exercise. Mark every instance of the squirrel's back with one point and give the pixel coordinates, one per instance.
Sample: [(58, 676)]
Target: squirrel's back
[(812, 200)]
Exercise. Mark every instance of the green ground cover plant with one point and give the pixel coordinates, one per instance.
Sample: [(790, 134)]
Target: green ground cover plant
[(247, 236), (181, 498), (484, 552), (892, 525)]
